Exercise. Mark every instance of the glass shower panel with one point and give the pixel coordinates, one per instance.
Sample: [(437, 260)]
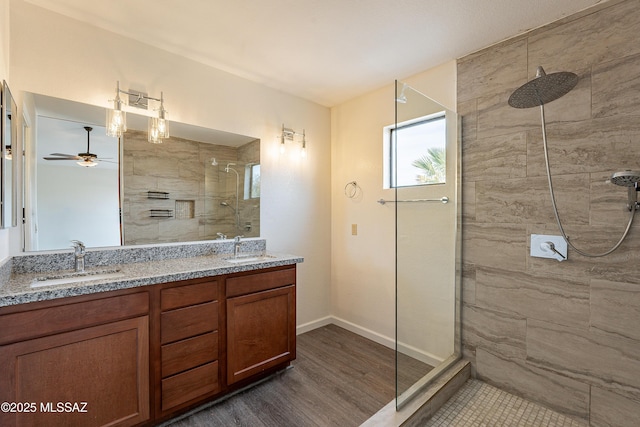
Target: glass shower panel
[(424, 172)]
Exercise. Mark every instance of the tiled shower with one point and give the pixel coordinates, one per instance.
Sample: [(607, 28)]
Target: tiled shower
[(564, 334)]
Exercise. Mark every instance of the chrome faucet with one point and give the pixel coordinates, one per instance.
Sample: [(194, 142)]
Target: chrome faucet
[(236, 245), (79, 251)]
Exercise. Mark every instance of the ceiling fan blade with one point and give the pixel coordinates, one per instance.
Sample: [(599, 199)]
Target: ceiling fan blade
[(63, 158), (62, 155)]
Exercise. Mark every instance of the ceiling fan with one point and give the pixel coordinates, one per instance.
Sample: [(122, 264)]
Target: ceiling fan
[(87, 159)]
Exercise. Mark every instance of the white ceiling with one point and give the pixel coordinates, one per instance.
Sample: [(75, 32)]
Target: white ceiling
[(327, 51)]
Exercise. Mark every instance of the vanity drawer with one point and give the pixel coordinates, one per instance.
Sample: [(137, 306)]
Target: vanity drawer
[(186, 354), (260, 282), (188, 322), (70, 316), (183, 296), (189, 385)]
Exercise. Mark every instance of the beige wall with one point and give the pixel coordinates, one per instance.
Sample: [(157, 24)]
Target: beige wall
[(61, 57), (363, 266), (564, 334)]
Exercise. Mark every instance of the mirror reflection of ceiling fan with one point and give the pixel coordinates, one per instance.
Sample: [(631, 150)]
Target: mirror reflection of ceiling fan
[(87, 159)]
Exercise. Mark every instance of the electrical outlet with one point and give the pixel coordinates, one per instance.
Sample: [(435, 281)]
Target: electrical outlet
[(354, 229)]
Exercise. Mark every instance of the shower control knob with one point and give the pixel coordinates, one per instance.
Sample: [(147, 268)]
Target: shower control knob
[(550, 247), (547, 246)]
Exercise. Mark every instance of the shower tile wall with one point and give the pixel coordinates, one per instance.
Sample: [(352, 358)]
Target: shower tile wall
[(183, 169), (565, 334)]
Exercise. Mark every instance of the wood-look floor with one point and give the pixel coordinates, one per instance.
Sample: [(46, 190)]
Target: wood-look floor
[(338, 379)]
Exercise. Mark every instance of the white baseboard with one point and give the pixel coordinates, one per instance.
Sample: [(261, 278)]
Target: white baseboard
[(310, 326), (423, 356)]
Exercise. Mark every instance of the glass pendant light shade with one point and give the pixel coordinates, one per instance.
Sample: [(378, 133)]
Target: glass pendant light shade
[(116, 122), (159, 126), (158, 130), (116, 118)]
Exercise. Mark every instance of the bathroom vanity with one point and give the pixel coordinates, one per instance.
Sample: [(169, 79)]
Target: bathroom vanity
[(160, 338)]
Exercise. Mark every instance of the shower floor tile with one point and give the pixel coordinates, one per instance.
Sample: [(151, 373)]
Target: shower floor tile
[(478, 404)]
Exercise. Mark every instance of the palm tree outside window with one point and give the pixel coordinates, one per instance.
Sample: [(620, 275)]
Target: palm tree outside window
[(418, 155)]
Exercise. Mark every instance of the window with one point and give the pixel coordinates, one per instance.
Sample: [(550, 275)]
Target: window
[(416, 152), (252, 181)]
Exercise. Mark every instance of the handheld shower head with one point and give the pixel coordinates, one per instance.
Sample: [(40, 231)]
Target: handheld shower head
[(228, 167), (626, 178), (543, 89), (629, 179)]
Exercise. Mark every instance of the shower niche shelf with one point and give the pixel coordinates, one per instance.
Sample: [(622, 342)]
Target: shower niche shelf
[(157, 195), (160, 213)]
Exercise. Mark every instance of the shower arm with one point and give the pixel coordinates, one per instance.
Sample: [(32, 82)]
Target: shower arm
[(555, 209)]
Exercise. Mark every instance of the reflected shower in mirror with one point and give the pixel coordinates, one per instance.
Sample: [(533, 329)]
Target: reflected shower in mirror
[(133, 192), (9, 137), (424, 141)]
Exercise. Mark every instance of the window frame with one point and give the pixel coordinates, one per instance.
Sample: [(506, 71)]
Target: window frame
[(390, 148)]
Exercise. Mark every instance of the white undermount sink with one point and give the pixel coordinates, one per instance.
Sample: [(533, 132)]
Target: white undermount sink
[(75, 277), (248, 258)]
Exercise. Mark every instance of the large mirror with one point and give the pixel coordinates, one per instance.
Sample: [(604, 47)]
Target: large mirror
[(9, 137), (199, 184)]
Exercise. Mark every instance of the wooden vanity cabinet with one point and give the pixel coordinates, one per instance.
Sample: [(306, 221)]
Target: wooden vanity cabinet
[(261, 322), (189, 343), (76, 362), (141, 356)]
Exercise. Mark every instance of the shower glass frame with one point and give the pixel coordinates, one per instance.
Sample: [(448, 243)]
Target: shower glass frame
[(418, 105)]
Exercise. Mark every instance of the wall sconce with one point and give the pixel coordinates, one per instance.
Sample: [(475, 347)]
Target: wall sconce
[(117, 118), (288, 135)]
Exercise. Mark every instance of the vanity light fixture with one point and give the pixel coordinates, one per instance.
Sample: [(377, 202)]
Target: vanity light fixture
[(289, 135), (117, 120)]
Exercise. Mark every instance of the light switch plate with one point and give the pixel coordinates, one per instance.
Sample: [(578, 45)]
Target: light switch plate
[(543, 245)]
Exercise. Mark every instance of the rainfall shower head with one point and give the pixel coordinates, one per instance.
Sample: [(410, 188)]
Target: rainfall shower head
[(543, 89), (628, 179)]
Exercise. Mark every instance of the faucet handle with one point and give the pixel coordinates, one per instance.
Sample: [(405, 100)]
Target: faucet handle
[(79, 247), (237, 239)]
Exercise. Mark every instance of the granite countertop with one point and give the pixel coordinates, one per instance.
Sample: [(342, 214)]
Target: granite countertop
[(16, 288)]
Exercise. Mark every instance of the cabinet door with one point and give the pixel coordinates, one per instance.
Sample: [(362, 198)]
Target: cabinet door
[(261, 332), (106, 367)]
